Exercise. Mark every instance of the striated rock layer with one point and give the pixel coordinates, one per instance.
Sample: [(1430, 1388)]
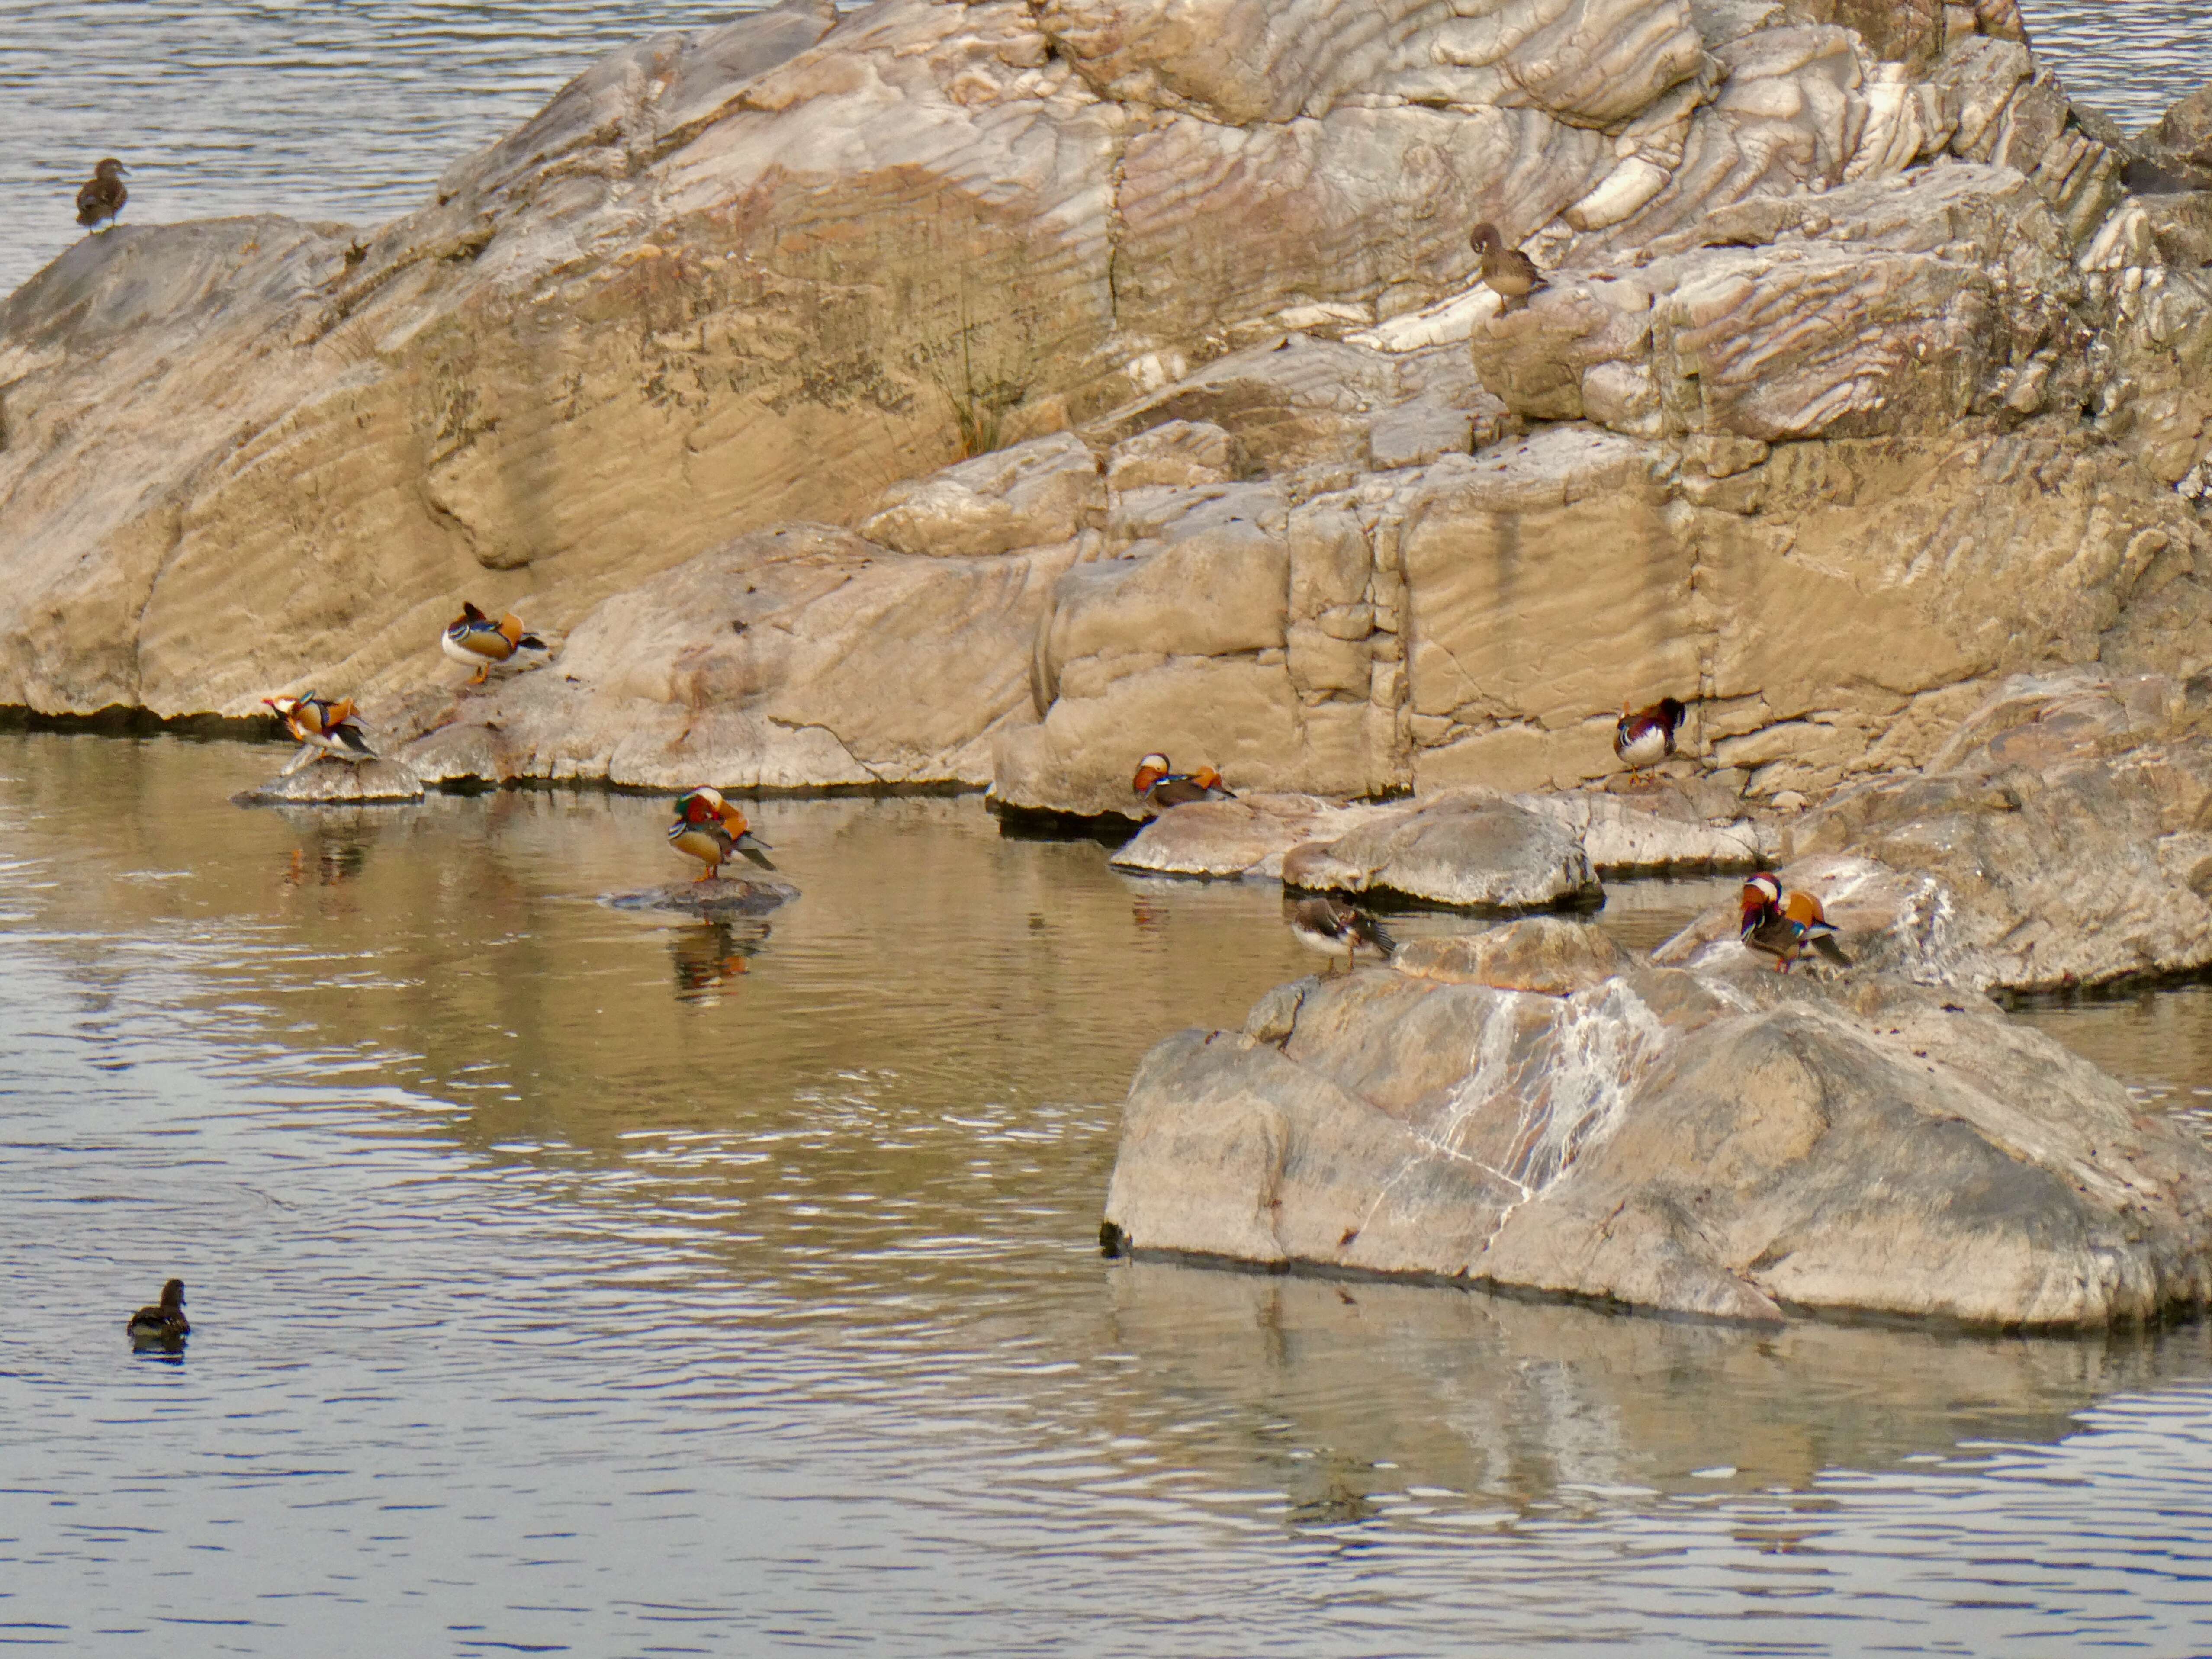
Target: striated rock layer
[(1531, 1109), (1127, 352)]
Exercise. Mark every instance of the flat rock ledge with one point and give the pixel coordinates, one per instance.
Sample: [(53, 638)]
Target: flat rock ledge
[(725, 895), (1537, 1113), (1662, 830), (339, 783), (1470, 849)]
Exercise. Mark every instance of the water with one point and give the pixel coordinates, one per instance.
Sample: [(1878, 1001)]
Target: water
[(571, 1280), (349, 109)]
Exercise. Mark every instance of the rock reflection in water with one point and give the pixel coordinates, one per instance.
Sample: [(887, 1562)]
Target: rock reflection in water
[(1521, 1403)]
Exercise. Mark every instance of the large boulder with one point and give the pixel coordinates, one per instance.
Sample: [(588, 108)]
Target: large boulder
[(1470, 848), (1733, 1144)]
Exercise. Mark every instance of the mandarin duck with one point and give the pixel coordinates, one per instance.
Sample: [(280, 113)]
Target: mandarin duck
[(475, 641), (1645, 736), (1787, 926), (102, 196), (322, 727), (1335, 928), (1507, 272), (1160, 786), (708, 829), (165, 1321)]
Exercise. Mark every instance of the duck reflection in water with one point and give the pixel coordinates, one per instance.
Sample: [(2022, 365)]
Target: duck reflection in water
[(709, 955), (329, 860)]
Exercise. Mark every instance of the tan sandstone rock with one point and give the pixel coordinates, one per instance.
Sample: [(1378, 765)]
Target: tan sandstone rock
[(1731, 1146)]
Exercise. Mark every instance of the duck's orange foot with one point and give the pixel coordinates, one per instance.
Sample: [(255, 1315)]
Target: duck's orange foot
[(483, 674)]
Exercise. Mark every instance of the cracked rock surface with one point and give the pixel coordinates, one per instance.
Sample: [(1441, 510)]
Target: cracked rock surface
[(1728, 1144), (1861, 383)]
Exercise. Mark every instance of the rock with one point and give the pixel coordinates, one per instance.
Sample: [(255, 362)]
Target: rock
[(763, 664), (1849, 323), (1738, 1146), (1247, 836), (1469, 849), (1549, 954), (2057, 839), (2180, 146), (340, 783), (1035, 493), (722, 896)]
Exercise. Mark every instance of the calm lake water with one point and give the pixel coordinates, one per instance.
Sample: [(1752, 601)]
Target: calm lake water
[(572, 1280), (349, 109)]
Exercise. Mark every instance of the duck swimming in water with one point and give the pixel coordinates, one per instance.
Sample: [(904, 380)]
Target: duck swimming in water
[(322, 727), (1335, 928), (1787, 926), (102, 196), (475, 641), (1646, 736), (1159, 786), (1507, 272), (165, 1321), (708, 829)]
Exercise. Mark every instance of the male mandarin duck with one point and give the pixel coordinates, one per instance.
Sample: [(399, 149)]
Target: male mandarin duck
[(102, 196), (475, 641), (1158, 785), (708, 829), (1335, 928), (165, 1321), (1645, 736), (322, 727), (1787, 926), (1507, 272)]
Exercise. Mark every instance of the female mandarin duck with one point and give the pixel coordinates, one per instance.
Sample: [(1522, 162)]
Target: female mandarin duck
[(1335, 928), (1507, 272), (1787, 926), (475, 641), (1160, 786), (322, 727), (102, 196), (165, 1321), (708, 829), (1646, 736)]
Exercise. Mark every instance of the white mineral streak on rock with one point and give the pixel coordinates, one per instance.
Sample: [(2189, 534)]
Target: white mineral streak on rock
[(1727, 1144)]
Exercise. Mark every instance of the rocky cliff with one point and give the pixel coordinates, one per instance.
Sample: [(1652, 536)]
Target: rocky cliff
[(1860, 382)]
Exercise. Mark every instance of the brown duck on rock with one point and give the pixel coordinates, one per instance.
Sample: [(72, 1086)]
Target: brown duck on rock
[(1507, 272), (102, 196)]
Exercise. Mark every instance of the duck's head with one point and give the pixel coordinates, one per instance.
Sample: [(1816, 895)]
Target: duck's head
[(1150, 771), (1485, 239), (698, 805), (173, 1296), (283, 706), (110, 167), (1762, 894)]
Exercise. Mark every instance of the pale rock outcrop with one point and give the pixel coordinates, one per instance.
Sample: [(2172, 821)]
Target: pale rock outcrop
[(1733, 1145), (2062, 836), (1246, 836), (1659, 829), (1874, 389), (765, 665), (1468, 849)]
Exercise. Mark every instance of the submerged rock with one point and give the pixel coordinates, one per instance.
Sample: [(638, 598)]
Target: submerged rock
[(1733, 1144), (343, 783), (724, 896)]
